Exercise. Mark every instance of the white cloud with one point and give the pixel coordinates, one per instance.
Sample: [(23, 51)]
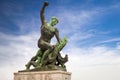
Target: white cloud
[(18, 48), (118, 45), (74, 22), (101, 63), (16, 53), (95, 55), (110, 40), (103, 72)]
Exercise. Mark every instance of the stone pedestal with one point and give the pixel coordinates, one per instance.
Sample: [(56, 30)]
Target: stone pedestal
[(43, 75)]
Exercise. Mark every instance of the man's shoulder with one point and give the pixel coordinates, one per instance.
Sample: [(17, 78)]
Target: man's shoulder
[(44, 24)]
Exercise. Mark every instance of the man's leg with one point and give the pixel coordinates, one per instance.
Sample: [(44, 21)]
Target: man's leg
[(49, 48), (33, 59)]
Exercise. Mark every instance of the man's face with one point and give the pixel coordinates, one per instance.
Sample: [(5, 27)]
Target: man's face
[(54, 22)]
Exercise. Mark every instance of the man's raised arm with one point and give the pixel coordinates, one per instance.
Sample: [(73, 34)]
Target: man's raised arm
[(42, 12)]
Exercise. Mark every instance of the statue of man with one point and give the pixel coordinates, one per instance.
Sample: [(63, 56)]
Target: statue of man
[(47, 31)]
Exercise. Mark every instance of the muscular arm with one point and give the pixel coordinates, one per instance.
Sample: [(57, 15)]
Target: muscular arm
[(57, 35), (42, 12)]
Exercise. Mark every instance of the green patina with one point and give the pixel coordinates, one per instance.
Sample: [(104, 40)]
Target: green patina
[(48, 56)]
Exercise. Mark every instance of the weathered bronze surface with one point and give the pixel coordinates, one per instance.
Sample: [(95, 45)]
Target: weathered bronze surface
[(48, 56)]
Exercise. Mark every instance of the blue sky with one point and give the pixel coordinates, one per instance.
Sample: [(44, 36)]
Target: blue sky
[(91, 26)]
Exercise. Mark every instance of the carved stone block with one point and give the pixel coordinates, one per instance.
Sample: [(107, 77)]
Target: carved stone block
[(43, 75)]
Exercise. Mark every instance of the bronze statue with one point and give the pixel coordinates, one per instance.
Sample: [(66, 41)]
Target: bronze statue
[(48, 56), (47, 31)]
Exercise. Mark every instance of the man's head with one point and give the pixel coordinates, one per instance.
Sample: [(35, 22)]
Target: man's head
[(53, 21)]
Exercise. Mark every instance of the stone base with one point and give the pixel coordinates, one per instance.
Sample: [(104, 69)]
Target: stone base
[(45, 68), (43, 75)]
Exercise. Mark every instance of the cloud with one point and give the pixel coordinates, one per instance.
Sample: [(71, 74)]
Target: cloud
[(94, 62), (28, 24), (103, 72), (76, 24), (16, 52), (14, 47), (110, 40), (72, 22), (81, 25), (95, 55), (118, 45)]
